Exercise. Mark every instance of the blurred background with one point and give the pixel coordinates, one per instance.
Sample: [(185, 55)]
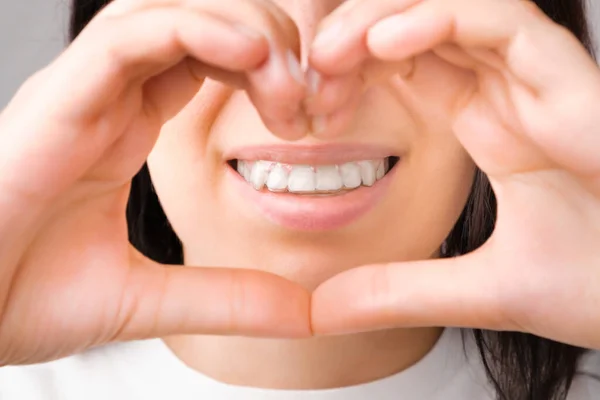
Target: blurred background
[(33, 32)]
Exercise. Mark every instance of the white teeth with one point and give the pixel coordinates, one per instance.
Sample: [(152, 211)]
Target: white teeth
[(241, 167), (350, 173), (245, 169), (367, 172), (259, 174), (380, 170), (307, 179), (278, 178), (301, 179), (328, 178)]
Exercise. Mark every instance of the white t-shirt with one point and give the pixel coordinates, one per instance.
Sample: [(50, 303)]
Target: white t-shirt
[(148, 370)]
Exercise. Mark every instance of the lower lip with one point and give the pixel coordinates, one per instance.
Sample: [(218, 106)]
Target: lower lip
[(312, 213)]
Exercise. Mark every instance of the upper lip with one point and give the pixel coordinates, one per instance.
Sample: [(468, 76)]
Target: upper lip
[(311, 154)]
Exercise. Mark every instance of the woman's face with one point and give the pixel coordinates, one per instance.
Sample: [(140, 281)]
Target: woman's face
[(223, 220)]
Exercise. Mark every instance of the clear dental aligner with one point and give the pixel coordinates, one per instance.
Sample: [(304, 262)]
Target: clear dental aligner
[(307, 179)]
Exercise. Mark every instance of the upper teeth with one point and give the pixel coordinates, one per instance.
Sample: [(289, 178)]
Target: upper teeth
[(279, 177)]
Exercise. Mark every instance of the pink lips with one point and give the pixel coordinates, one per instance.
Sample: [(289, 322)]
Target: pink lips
[(311, 154), (311, 212)]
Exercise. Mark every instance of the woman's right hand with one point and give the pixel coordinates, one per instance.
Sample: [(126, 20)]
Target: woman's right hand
[(75, 135)]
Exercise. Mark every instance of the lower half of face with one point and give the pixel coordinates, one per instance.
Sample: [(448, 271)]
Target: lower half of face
[(389, 189)]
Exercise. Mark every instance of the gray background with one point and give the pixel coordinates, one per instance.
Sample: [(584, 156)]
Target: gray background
[(33, 32)]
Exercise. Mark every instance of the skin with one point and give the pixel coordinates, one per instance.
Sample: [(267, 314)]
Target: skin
[(65, 174), (419, 210), (528, 120)]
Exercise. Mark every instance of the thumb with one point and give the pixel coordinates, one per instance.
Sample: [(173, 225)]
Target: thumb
[(167, 300), (459, 292)]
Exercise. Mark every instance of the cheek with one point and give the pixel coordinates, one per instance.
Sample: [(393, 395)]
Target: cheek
[(182, 167), (430, 190), (434, 180), (441, 188)]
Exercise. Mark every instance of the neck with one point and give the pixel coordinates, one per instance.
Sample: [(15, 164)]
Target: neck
[(315, 363)]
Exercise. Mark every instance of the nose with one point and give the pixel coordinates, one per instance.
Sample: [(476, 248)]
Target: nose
[(307, 14)]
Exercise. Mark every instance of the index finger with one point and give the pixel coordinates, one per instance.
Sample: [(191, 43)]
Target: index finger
[(340, 45), (169, 300), (457, 292)]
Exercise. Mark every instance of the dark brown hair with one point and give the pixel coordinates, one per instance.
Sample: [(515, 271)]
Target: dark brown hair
[(519, 366)]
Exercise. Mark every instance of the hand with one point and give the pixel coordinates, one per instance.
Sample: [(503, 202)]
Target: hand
[(530, 121), (71, 141)]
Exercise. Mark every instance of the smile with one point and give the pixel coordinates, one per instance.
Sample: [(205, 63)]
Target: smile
[(308, 179), (310, 188)]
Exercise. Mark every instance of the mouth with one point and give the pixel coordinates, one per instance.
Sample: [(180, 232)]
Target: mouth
[(302, 179), (310, 188)]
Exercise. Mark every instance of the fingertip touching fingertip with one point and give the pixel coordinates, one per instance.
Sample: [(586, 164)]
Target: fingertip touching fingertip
[(294, 68)]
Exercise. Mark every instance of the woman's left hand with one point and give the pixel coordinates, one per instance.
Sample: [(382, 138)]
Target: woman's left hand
[(531, 122)]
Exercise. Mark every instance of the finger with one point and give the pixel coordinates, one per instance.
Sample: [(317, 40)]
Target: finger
[(106, 60), (454, 55), (167, 300), (534, 48), (259, 14), (340, 45), (333, 93), (550, 65), (377, 72), (475, 59), (147, 43), (335, 100), (335, 124), (461, 292), (481, 133), (277, 99), (262, 16), (328, 95), (277, 87)]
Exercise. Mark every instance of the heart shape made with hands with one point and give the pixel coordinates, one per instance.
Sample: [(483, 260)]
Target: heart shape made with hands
[(523, 106), (519, 81)]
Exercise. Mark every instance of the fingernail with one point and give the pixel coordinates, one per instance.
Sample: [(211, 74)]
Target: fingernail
[(313, 79), (295, 68), (318, 124), (329, 35)]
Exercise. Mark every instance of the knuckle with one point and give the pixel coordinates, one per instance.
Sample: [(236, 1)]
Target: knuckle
[(34, 83), (102, 43), (531, 8), (114, 9)]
